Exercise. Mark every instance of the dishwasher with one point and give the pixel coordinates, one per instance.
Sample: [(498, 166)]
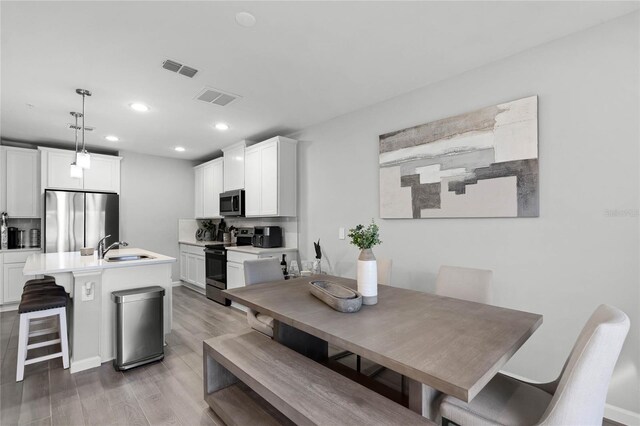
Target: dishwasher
[(139, 326)]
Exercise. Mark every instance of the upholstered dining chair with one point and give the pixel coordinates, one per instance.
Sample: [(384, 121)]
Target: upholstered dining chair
[(464, 283), (260, 271), (576, 397), (384, 271)]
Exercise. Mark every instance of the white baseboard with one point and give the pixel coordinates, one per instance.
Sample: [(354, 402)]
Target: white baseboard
[(85, 364), (611, 412), (9, 307), (621, 415), (176, 283)]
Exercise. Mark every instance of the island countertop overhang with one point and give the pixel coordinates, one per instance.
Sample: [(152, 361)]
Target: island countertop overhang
[(54, 263)]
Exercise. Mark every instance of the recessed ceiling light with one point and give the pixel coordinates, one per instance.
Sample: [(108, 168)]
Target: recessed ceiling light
[(139, 107), (179, 148), (112, 138), (245, 19), (222, 126)]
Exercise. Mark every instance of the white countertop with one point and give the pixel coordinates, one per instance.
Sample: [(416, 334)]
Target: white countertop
[(197, 243), (21, 249), (259, 250), (52, 263)]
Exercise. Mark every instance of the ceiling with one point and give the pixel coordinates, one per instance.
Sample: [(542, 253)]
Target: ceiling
[(301, 64)]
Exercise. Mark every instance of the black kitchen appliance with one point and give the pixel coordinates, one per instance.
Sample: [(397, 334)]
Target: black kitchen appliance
[(12, 240), (216, 272), (232, 203), (267, 236), (216, 265)]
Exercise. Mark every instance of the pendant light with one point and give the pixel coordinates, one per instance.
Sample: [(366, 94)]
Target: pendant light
[(76, 171), (83, 159)]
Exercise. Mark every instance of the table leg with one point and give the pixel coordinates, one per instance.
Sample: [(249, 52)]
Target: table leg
[(301, 342), (422, 398)]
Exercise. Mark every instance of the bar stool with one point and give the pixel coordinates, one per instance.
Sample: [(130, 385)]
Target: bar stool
[(39, 301)]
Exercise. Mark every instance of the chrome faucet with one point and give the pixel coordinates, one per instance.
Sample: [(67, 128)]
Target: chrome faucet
[(101, 246)]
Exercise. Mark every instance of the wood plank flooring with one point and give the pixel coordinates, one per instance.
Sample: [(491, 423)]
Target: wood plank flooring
[(164, 393)]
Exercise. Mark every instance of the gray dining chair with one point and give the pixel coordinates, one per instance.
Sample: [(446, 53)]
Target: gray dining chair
[(464, 283), (261, 271), (576, 397)]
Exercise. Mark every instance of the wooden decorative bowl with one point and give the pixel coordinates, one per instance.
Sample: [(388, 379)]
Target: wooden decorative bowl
[(337, 296)]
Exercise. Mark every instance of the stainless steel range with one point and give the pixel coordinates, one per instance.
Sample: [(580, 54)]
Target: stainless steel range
[(216, 265)]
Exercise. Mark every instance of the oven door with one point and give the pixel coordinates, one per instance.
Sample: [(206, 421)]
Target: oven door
[(216, 267)]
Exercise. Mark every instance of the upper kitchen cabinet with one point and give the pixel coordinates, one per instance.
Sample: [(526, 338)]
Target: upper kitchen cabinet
[(270, 178), (234, 166), (103, 175), (209, 183), (20, 182)]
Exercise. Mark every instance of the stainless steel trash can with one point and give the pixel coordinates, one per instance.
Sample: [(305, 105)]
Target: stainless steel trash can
[(139, 326)]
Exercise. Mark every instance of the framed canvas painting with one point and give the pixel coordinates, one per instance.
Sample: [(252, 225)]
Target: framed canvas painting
[(479, 164)]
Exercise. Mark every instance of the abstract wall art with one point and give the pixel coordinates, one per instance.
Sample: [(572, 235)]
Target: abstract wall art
[(479, 164)]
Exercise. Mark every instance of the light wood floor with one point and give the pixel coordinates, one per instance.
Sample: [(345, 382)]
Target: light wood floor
[(168, 392)]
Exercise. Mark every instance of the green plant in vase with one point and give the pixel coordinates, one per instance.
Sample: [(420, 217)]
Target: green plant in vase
[(365, 238)]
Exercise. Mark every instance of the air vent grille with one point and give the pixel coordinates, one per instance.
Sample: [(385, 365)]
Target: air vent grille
[(216, 96), (86, 128), (174, 66)]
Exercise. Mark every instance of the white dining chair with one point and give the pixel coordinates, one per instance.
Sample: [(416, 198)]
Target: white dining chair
[(260, 271), (576, 397), (464, 283), (384, 271)]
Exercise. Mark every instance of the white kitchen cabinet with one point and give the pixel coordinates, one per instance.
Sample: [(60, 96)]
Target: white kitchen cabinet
[(192, 265), (198, 185), (103, 175), (55, 166), (235, 275), (13, 280), (236, 259), (234, 165), (20, 183), (183, 265), (271, 178), (208, 184)]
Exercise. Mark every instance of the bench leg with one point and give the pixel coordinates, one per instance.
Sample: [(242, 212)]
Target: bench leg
[(216, 376)]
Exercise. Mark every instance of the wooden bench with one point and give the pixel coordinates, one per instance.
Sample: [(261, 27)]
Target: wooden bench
[(303, 390)]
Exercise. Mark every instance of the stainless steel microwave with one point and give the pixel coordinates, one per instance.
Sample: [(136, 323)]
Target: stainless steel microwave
[(232, 203)]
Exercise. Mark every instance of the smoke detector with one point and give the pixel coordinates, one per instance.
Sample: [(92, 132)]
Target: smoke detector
[(216, 96), (179, 68)]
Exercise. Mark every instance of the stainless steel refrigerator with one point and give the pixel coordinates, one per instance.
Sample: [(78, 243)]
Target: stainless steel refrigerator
[(79, 219)]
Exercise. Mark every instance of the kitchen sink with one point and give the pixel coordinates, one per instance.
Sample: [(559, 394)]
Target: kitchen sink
[(128, 257)]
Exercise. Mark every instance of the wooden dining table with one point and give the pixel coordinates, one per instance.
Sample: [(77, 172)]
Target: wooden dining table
[(440, 344)]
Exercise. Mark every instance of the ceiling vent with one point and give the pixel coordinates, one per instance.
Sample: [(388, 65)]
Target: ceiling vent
[(216, 96), (179, 68), (74, 127)]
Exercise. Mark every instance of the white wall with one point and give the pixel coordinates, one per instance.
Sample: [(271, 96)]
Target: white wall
[(562, 264), (155, 193)]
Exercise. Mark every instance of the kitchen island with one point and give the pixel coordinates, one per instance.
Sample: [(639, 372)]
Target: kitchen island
[(90, 282)]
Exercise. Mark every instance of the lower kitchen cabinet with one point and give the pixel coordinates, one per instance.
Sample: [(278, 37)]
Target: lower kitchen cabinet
[(192, 269), (236, 259), (11, 280)]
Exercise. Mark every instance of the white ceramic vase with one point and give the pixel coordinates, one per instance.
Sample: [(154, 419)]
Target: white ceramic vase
[(368, 277)]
